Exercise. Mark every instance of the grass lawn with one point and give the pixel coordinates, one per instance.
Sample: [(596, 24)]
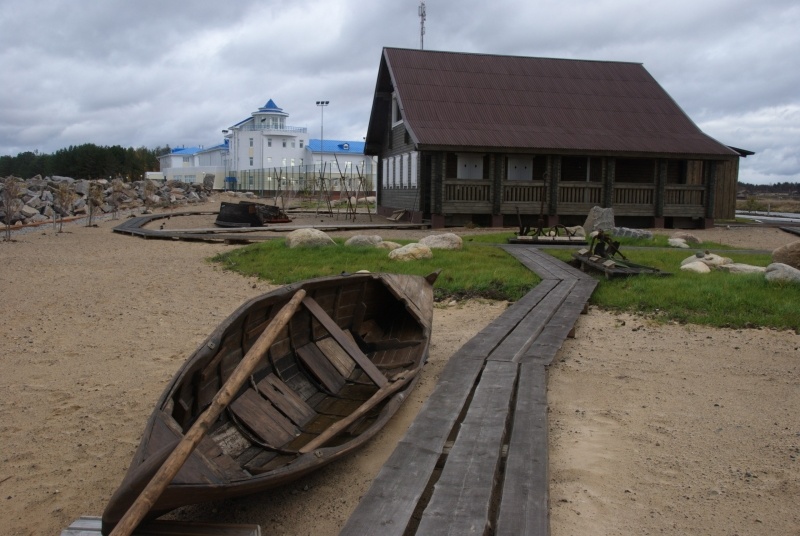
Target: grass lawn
[(481, 270), (476, 271)]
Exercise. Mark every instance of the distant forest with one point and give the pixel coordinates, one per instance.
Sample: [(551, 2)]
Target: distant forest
[(87, 161), (787, 188)]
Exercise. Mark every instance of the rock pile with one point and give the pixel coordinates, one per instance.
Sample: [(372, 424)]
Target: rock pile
[(43, 198)]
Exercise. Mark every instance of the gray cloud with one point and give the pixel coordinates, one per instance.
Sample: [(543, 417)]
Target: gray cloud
[(154, 73)]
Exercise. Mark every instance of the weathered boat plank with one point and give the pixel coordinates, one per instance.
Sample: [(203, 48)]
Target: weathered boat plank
[(91, 526), (321, 367)]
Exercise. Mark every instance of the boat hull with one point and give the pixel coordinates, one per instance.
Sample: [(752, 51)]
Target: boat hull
[(354, 335)]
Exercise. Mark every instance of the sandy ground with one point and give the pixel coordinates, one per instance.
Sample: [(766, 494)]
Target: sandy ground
[(654, 429)]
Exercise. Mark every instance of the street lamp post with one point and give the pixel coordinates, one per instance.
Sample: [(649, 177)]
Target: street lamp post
[(322, 104)]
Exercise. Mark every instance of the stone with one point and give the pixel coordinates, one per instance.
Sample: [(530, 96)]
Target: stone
[(411, 252), (308, 238), (678, 243), (82, 187), (391, 246), (686, 237), (363, 240), (627, 232), (577, 230), (599, 219), (779, 272), (711, 260), (697, 267), (68, 180), (739, 268), (788, 254), (28, 212), (443, 241)]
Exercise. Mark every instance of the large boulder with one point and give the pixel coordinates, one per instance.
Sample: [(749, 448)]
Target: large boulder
[(363, 240), (599, 219), (627, 232), (686, 237), (788, 254), (577, 230), (391, 246), (739, 268), (411, 252), (304, 238), (678, 243), (28, 212), (697, 267), (779, 272), (443, 241), (712, 260)]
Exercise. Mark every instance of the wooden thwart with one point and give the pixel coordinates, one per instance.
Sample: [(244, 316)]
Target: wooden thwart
[(345, 342)]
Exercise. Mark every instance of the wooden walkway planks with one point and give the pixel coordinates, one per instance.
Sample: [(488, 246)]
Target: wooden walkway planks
[(524, 507), (503, 368), (462, 497), (135, 227), (398, 487)]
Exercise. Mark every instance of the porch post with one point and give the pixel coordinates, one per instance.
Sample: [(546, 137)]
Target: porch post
[(608, 182), (711, 190), (495, 176), (661, 184), (552, 190), (437, 188)]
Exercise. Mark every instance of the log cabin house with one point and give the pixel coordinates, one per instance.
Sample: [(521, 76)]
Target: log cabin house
[(492, 140)]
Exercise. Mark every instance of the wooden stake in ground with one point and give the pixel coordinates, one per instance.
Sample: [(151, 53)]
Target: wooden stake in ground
[(224, 396)]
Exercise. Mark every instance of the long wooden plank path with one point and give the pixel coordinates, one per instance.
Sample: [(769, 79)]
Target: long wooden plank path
[(474, 461), (136, 227)]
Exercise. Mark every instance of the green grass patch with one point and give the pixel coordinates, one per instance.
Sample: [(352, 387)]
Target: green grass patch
[(718, 299), (480, 270), (476, 271)]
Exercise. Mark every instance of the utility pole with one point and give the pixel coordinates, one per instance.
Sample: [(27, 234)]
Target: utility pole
[(422, 15)]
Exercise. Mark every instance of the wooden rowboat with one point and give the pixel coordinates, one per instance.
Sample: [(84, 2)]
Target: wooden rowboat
[(329, 381)]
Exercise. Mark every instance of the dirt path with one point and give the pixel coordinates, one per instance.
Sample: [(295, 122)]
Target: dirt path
[(654, 429)]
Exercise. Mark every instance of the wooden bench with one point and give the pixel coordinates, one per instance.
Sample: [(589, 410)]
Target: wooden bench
[(490, 408)]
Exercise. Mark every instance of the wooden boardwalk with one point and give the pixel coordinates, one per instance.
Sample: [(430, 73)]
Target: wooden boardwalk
[(239, 235), (474, 461)]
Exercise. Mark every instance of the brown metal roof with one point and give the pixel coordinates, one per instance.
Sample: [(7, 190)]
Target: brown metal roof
[(452, 99)]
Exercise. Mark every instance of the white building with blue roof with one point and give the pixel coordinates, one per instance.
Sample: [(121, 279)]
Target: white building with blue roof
[(263, 153)]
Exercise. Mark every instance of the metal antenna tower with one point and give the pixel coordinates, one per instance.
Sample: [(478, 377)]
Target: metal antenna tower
[(422, 25)]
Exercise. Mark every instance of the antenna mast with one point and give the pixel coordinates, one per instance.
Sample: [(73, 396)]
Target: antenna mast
[(422, 25)]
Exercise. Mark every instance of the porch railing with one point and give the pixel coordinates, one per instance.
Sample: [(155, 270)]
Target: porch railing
[(580, 193), (467, 191), (634, 194), (685, 195), (516, 192)]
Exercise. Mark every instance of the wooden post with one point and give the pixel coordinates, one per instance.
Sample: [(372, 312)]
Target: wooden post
[(224, 396)]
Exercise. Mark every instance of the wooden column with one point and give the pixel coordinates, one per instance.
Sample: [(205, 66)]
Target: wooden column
[(437, 189), (608, 182), (711, 190), (495, 176), (660, 193), (552, 190)]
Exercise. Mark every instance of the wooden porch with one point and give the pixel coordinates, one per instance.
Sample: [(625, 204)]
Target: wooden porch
[(572, 198)]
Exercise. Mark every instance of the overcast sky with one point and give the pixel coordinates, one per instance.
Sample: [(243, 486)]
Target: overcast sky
[(151, 73)]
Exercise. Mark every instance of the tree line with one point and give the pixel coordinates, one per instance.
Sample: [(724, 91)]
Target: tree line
[(777, 188), (87, 161)]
